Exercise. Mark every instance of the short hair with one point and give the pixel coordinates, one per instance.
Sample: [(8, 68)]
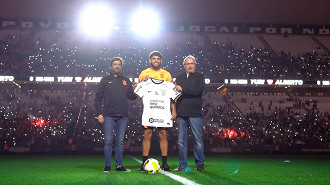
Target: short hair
[(155, 53), (189, 56), (116, 59)]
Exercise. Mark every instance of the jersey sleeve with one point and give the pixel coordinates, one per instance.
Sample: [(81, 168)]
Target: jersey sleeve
[(139, 90), (173, 93)]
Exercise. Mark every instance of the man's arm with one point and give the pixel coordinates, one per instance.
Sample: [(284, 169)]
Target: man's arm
[(130, 94), (194, 88), (173, 108), (98, 101)]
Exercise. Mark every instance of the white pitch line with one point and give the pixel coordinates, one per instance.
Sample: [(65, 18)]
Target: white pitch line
[(171, 175)]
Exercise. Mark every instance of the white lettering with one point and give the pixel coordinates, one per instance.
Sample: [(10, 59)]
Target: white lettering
[(224, 29), (62, 25), (324, 31), (92, 79), (8, 23), (325, 82), (44, 25), (258, 81), (255, 29), (270, 30), (286, 30), (194, 28), (289, 82), (239, 81), (44, 79), (235, 29), (64, 79), (6, 78), (308, 31), (27, 24), (209, 28)]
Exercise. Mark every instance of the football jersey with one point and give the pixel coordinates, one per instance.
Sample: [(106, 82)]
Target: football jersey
[(161, 74), (156, 96)]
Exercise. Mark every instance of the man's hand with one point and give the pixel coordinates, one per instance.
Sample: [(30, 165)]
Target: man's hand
[(134, 86), (100, 118), (173, 110), (145, 78), (178, 87), (173, 115)]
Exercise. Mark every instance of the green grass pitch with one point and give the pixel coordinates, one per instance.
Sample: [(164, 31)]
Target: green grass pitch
[(231, 170)]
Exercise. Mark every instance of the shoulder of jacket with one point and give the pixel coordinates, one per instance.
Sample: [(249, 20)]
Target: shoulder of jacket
[(199, 74), (106, 78), (181, 74)]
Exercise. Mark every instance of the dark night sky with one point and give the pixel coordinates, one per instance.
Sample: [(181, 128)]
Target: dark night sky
[(215, 11)]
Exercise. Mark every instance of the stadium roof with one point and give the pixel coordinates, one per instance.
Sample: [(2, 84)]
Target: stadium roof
[(197, 11)]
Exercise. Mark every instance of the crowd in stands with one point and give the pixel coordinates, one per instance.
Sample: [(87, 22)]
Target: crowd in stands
[(50, 118), (31, 57), (32, 117)]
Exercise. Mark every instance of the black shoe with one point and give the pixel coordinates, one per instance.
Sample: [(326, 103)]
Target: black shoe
[(179, 169), (122, 169), (141, 169), (107, 169), (165, 167), (201, 168)]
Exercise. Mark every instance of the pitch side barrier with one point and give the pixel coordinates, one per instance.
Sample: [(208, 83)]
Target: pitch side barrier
[(234, 81), (246, 150), (256, 86)]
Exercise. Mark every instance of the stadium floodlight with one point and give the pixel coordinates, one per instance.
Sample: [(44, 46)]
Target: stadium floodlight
[(145, 22), (96, 20)]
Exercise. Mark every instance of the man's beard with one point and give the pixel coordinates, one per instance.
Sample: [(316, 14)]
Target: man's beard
[(155, 67), (116, 72)]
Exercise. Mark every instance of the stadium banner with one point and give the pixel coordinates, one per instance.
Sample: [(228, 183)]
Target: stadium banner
[(315, 150), (90, 79), (286, 29), (19, 149), (220, 150)]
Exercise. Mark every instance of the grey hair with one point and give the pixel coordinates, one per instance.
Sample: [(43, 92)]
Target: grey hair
[(189, 56)]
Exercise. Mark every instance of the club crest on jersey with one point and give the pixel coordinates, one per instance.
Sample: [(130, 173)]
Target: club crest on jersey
[(124, 82), (163, 92), (162, 75)]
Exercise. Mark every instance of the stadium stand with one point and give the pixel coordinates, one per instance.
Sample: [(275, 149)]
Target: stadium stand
[(45, 117)]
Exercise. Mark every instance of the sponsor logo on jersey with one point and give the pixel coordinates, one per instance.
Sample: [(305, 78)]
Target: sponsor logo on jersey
[(152, 120)]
